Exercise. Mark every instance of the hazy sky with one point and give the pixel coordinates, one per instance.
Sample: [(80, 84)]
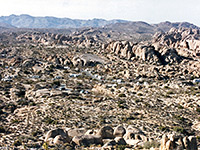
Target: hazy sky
[(151, 11)]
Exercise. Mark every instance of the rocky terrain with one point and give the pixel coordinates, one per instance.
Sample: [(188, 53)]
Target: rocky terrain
[(86, 89)]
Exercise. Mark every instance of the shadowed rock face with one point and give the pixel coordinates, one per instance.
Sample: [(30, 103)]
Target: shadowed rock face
[(86, 140), (145, 52), (178, 142), (57, 136), (179, 38)]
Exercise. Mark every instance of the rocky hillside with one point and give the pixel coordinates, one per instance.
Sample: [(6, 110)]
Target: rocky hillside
[(87, 90)]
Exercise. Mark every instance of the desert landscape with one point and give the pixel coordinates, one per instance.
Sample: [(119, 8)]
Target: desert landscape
[(99, 84)]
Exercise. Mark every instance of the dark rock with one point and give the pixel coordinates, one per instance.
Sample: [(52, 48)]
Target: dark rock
[(87, 140), (106, 132)]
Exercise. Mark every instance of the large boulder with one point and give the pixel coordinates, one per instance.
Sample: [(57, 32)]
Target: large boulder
[(120, 141), (87, 140), (87, 60), (134, 136), (109, 145), (172, 142), (170, 56), (126, 52), (76, 132), (106, 132), (147, 53), (121, 48), (59, 139), (119, 131), (59, 135)]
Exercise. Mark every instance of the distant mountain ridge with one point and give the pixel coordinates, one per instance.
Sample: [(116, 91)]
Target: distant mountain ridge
[(143, 27), (115, 27), (27, 21)]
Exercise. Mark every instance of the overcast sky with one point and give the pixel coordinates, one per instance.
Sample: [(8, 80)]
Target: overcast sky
[(151, 11)]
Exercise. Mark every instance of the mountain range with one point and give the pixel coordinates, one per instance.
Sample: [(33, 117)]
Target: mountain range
[(27, 21)]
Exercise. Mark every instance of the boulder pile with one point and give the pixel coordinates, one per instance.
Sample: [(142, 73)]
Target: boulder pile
[(109, 138)]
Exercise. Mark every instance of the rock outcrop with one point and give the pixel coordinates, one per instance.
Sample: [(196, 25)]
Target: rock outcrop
[(119, 131), (172, 142), (106, 132), (87, 140), (57, 136), (87, 60), (146, 52), (123, 49), (185, 38)]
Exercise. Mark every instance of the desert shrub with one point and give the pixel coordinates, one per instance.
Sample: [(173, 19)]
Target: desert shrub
[(170, 92), (148, 144), (15, 121), (57, 83), (2, 130), (35, 133), (121, 104), (121, 95), (17, 143), (1, 111), (180, 106), (121, 147), (179, 129), (198, 109), (162, 128), (48, 120)]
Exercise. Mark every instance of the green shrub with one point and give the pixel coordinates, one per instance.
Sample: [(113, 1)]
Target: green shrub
[(17, 143), (57, 83), (15, 121), (198, 109), (170, 92), (179, 129), (48, 120), (148, 145), (121, 104), (45, 146), (162, 128), (121, 147), (2, 130), (121, 95), (180, 107), (1, 112)]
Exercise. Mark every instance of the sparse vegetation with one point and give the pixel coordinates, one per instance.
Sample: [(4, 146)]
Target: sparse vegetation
[(179, 129), (154, 144), (85, 80), (2, 130)]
